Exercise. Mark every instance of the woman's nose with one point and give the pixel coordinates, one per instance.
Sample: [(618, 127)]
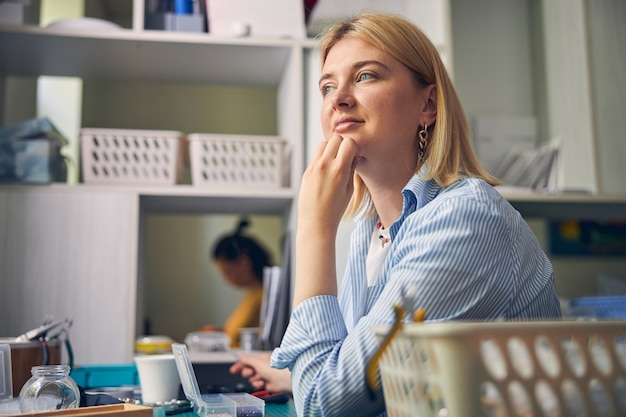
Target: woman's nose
[(343, 97)]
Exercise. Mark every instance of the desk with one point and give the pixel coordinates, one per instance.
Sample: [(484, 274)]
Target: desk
[(280, 410), (271, 410)]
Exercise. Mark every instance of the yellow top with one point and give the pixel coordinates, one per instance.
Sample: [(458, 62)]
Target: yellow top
[(246, 314)]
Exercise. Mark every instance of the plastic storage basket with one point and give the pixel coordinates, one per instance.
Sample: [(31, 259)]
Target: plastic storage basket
[(599, 306), (238, 160), (132, 156), (561, 368)]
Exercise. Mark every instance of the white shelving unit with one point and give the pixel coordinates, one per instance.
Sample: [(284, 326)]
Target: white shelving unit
[(98, 282)]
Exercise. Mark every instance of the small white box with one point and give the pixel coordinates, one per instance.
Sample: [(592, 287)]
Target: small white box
[(128, 156), (258, 18), (220, 161)]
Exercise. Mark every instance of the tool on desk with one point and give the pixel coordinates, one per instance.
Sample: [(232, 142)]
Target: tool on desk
[(273, 397), (371, 372), (44, 335), (179, 407), (38, 332)]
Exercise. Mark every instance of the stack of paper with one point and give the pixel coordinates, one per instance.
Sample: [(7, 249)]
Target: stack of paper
[(532, 168), (276, 305)]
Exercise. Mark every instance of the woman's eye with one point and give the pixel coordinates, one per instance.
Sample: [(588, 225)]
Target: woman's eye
[(366, 76), (327, 89)]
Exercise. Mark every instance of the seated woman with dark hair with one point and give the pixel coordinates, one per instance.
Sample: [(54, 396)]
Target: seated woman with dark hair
[(241, 260)]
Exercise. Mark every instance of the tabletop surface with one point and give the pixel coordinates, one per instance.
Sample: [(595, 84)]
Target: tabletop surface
[(280, 410), (271, 410)]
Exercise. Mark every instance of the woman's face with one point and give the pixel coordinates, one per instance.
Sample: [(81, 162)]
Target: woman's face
[(238, 273), (374, 99)]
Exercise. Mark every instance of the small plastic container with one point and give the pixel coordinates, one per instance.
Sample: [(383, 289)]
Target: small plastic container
[(599, 307), (128, 156), (149, 345), (207, 342), (203, 405), (226, 161), (247, 405), (50, 388)]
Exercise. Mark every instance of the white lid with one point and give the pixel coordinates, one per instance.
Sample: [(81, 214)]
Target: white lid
[(203, 406), (186, 373)]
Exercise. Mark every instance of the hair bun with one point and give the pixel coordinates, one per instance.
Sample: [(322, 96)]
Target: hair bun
[(243, 223)]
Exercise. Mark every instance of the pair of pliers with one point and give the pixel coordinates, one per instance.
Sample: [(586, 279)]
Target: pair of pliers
[(371, 372), (65, 333)]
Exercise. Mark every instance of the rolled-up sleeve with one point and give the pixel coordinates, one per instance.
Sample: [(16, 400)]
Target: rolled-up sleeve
[(328, 367)]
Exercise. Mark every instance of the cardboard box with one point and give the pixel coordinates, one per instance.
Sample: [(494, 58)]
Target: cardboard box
[(256, 18)]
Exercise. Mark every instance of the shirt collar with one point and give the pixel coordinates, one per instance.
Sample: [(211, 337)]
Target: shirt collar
[(416, 194)]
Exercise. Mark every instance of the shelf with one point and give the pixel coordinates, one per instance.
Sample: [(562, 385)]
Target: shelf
[(188, 199), (143, 55), (183, 199), (568, 205)]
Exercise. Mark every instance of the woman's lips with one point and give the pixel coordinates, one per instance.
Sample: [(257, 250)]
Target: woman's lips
[(346, 124)]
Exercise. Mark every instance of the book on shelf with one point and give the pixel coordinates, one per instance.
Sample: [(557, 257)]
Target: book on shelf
[(276, 304), (537, 169)]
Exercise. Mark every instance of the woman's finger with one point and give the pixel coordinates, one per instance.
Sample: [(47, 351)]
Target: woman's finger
[(248, 372), (347, 154), (320, 150), (332, 146)]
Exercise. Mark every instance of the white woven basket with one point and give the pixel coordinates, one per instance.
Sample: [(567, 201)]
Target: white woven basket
[(131, 156), (560, 368), (238, 160)]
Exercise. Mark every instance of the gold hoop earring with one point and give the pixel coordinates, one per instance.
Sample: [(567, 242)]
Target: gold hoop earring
[(422, 142)]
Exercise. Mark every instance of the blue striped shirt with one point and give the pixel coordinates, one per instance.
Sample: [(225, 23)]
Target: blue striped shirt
[(462, 252)]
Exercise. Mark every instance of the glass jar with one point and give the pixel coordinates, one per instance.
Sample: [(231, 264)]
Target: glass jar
[(50, 388)]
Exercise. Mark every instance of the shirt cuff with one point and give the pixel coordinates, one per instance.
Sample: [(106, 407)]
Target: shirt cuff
[(315, 322)]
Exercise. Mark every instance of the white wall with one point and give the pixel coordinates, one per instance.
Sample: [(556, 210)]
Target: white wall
[(493, 64), (607, 52)]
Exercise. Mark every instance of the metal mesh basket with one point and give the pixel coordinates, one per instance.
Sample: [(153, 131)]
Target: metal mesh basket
[(238, 160), (499, 369), (131, 156)]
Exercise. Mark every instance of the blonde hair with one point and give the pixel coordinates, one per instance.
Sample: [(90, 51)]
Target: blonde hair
[(449, 153)]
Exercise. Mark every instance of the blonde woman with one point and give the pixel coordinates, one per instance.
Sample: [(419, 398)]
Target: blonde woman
[(397, 157)]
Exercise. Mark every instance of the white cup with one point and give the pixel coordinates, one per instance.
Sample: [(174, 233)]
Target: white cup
[(158, 378)]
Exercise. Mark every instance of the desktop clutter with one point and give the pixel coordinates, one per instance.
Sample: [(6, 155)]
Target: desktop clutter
[(31, 152), (161, 381)]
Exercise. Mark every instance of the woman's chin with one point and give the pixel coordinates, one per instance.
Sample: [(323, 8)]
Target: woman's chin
[(358, 161)]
